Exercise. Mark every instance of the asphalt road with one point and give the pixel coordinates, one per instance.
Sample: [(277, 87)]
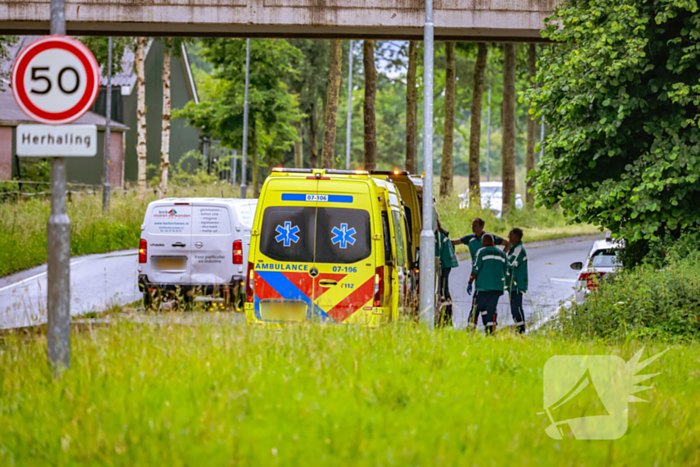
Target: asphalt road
[(97, 282), (100, 281), (551, 281)]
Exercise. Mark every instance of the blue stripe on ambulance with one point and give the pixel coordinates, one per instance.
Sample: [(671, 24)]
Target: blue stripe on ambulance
[(289, 291), (315, 198)]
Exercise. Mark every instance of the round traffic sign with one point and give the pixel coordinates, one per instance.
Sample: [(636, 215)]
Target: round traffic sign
[(55, 80)]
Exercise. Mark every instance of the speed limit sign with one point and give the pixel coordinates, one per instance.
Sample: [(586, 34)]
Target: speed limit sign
[(55, 80)]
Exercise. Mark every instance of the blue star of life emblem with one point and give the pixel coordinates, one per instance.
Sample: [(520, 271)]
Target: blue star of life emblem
[(287, 234), (343, 236)]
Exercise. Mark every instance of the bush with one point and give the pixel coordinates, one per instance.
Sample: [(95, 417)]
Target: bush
[(641, 302)]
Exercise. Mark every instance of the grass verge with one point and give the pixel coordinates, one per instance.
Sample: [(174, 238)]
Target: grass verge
[(226, 394)]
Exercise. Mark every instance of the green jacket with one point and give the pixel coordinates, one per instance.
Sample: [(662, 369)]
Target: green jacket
[(517, 268), (474, 243), (445, 250), (490, 267)]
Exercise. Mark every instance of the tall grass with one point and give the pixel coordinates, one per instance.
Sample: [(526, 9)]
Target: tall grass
[(225, 394), (23, 224)]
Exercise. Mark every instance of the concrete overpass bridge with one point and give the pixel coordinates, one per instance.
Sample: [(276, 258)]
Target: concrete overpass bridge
[(487, 20)]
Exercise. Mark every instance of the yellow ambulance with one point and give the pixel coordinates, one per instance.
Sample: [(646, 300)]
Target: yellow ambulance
[(327, 246)]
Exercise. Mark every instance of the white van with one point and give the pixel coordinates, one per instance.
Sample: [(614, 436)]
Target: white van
[(195, 247)]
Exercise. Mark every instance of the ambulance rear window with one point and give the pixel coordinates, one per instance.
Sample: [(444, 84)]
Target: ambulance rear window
[(342, 235), (288, 233)]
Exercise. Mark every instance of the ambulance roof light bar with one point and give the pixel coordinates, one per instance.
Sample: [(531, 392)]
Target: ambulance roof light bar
[(299, 171), (389, 172), (347, 172)]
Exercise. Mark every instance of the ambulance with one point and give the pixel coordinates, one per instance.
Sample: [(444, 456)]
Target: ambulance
[(327, 246)]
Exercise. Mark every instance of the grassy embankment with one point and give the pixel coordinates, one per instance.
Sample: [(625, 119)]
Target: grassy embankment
[(226, 394), (23, 224)]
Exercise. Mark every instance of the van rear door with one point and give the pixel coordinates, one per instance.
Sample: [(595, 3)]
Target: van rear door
[(168, 232), (344, 287), (211, 254)]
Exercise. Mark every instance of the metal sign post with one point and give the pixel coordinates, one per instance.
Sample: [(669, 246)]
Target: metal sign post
[(349, 126), (244, 155), (427, 236), (55, 80), (108, 125), (488, 140)]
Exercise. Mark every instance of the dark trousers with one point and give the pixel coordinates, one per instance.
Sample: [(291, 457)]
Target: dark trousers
[(486, 306), (445, 318), (516, 309)]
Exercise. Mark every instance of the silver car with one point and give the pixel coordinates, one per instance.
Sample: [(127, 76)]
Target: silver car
[(602, 264)]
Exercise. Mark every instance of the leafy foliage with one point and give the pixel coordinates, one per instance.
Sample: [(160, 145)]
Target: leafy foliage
[(4, 42), (620, 93), (99, 46)]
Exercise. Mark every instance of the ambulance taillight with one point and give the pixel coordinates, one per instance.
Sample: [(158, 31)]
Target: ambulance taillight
[(378, 285), (249, 290), (237, 252)]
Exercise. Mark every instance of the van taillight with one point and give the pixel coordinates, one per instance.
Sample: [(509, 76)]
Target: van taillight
[(378, 285), (592, 279), (143, 251), (237, 252), (249, 290)]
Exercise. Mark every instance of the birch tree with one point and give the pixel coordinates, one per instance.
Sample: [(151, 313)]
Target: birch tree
[(165, 129), (530, 154), (141, 116)]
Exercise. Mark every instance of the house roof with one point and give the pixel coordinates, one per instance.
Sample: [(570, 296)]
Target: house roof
[(12, 115)]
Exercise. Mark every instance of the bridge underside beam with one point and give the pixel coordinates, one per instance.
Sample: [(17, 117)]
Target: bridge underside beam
[(485, 20)]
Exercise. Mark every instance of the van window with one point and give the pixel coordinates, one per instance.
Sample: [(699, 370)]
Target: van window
[(288, 233), (400, 250), (170, 220), (387, 237), (211, 220), (342, 235), (409, 227)]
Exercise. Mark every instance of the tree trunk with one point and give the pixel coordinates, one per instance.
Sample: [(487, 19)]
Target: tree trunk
[(299, 148), (508, 117), (530, 156), (313, 137), (165, 132), (370, 95), (475, 130), (331, 111), (254, 156), (141, 116), (448, 138), (412, 109)]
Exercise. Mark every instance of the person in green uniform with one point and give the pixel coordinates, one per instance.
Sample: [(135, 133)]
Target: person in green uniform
[(448, 260), (473, 242), (489, 271), (517, 277)]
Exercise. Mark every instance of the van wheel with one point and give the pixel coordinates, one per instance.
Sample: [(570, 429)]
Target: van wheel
[(147, 300)]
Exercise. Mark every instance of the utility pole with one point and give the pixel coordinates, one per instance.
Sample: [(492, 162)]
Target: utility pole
[(244, 156), (542, 139), (233, 170), (488, 140), (58, 243), (427, 236), (347, 143), (108, 127)]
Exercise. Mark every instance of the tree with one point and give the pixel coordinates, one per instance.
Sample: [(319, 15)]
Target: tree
[(165, 128), (5, 41), (475, 127), (449, 126), (508, 117), (299, 147), (620, 91), (331, 110), (273, 109), (370, 94), (141, 116), (412, 109), (99, 46), (530, 155)]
